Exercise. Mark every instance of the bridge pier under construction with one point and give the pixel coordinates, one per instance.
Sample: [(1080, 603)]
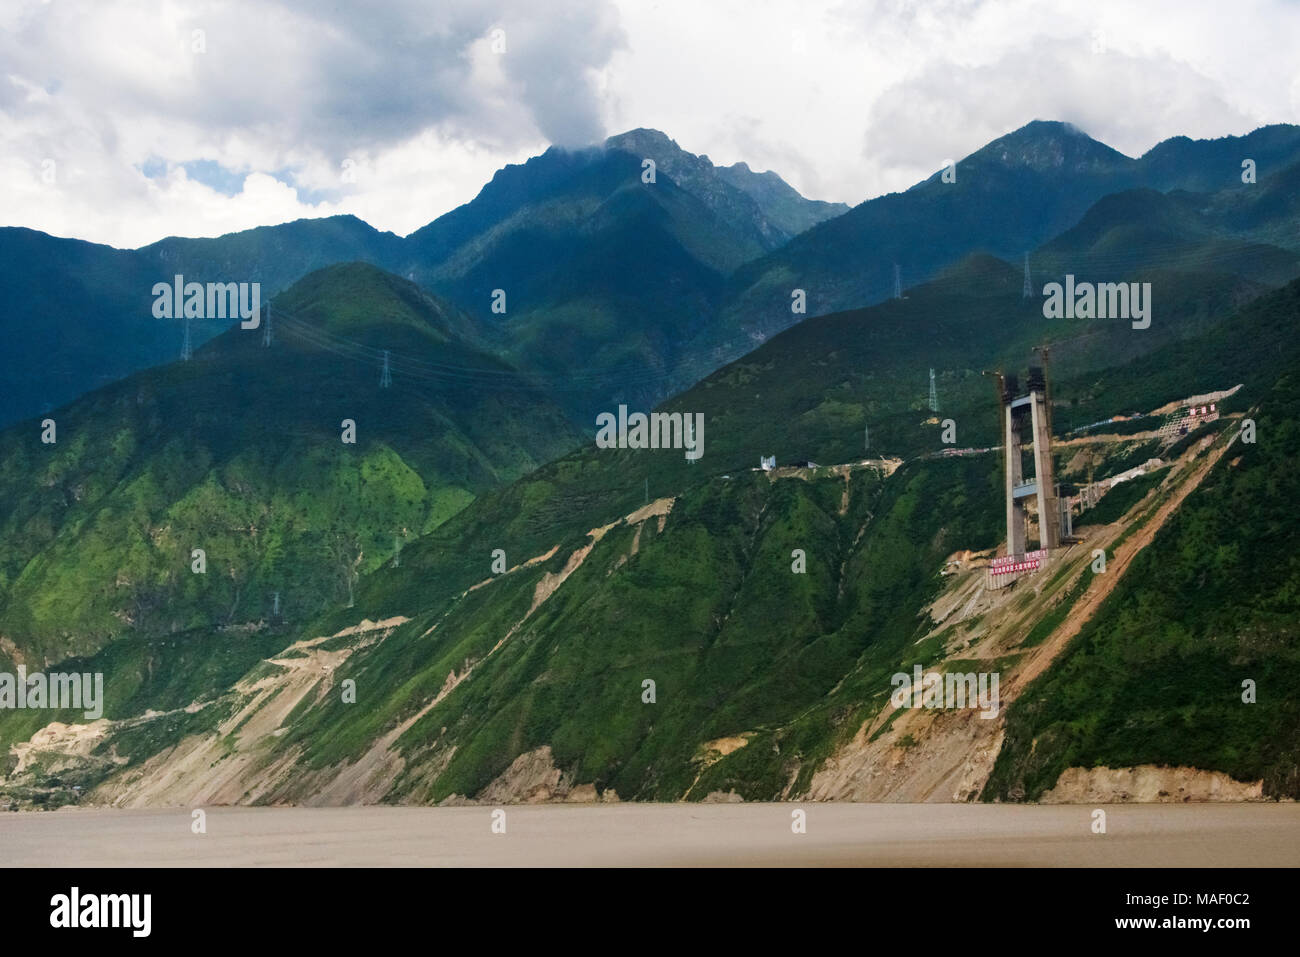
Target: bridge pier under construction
[(1018, 411), (1022, 412)]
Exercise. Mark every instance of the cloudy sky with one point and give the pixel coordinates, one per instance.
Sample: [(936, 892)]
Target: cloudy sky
[(123, 122)]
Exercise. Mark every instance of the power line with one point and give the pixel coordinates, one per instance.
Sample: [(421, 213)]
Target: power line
[(689, 366)]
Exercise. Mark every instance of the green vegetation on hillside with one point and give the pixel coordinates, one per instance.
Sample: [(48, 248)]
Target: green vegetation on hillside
[(1120, 499), (1157, 675), (243, 455), (709, 609), (239, 453)]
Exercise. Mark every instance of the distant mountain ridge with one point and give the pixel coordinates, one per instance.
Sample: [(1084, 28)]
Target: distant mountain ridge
[(761, 203), (507, 647), (619, 290), (79, 311), (1007, 198)]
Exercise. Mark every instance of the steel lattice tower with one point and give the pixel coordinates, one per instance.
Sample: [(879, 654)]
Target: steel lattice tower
[(934, 394), (385, 377)]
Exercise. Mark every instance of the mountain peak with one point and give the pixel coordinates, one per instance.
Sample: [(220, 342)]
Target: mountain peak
[(781, 211), (642, 140), (360, 299), (1050, 145), (678, 163)]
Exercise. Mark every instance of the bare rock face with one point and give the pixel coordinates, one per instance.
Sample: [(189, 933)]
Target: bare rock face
[(723, 797), (531, 779), (582, 794), (1148, 784)]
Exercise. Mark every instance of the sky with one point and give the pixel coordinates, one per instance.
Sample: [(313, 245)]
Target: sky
[(123, 122)]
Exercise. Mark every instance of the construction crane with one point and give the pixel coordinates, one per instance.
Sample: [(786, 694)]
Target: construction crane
[(999, 382), (999, 386)]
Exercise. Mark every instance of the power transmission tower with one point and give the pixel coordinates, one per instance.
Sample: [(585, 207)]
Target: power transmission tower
[(934, 394), (1029, 288), (385, 377), (898, 282), (267, 337), (866, 436), (397, 551), (275, 605), (186, 351)]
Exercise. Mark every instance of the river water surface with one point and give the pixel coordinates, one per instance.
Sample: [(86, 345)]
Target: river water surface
[(1230, 835)]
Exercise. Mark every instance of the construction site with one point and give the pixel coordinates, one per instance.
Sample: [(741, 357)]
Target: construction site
[(1030, 410), (1040, 508), (1013, 610)]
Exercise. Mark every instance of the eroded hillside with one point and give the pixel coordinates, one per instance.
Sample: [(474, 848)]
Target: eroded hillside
[(736, 642)]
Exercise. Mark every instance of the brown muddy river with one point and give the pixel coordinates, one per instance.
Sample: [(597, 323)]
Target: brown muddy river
[(660, 834)]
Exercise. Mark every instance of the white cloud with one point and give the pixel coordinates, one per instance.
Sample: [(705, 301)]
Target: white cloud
[(879, 93), (845, 99)]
